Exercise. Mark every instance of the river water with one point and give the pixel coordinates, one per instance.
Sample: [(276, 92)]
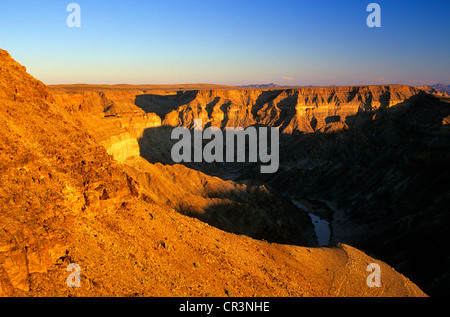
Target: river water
[(322, 227)]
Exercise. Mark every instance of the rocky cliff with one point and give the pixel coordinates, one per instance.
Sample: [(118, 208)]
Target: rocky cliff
[(51, 174)]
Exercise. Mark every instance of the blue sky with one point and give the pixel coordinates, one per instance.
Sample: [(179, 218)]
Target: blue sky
[(235, 42)]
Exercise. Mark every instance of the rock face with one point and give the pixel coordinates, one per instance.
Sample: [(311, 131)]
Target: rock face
[(293, 110), (64, 199), (118, 133)]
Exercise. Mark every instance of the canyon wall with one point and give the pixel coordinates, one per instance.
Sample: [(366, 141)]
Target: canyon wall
[(119, 117), (293, 110)]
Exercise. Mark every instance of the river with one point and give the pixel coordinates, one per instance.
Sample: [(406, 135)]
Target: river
[(321, 226)]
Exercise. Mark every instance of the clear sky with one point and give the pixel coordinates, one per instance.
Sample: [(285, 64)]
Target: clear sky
[(235, 42)]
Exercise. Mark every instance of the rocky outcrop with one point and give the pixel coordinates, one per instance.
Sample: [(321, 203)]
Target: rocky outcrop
[(17, 85), (51, 172), (111, 118)]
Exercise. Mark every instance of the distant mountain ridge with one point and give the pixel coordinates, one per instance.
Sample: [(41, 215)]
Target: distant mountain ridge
[(437, 89), (438, 86), (271, 85), (441, 87)]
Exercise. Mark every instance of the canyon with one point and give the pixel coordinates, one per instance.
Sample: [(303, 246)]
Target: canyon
[(87, 177)]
